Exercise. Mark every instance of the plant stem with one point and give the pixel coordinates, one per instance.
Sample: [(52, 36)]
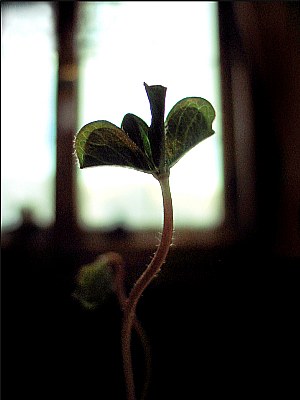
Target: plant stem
[(147, 354), (119, 269), (144, 280)]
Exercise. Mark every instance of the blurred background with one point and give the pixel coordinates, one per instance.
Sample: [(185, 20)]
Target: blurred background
[(110, 62), (222, 315)]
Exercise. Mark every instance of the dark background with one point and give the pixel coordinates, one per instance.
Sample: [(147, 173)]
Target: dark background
[(222, 320)]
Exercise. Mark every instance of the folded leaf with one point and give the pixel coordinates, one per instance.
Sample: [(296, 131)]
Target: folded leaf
[(103, 143), (187, 124), (138, 131), (156, 96)]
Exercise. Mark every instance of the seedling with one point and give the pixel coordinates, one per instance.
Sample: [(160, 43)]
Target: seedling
[(153, 150)]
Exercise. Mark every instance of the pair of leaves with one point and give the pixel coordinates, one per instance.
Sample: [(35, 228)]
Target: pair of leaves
[(153, 149)]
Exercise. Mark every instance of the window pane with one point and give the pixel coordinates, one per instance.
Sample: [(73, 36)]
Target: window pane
[(28, 108), (174, 44)]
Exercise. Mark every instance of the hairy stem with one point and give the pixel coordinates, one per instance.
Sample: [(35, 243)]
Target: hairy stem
[(119, 269), (141, 284)]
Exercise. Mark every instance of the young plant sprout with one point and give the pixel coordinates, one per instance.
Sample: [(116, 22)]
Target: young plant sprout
[(153, 150)]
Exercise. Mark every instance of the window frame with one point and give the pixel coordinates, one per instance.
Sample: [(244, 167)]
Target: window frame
[(239, 190)]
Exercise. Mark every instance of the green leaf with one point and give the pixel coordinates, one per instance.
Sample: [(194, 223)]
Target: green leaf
[(94, 283), (138, 131), (153, 149), (187, 124), (103, 143)]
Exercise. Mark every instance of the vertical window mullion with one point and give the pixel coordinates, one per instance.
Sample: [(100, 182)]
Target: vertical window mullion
[(226, 37), (66, 230)]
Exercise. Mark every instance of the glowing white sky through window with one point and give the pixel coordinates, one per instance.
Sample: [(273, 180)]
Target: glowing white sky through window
[(28, 77), (174, 44)]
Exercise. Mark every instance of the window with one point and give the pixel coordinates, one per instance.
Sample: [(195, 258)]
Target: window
[(120, 45), (175, 44), (28, 84)]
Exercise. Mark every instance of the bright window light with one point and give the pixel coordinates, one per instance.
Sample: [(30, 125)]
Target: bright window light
[(28, 77), (174, 44)]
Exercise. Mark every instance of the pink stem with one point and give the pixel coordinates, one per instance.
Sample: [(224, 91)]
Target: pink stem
[(142, 283)]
